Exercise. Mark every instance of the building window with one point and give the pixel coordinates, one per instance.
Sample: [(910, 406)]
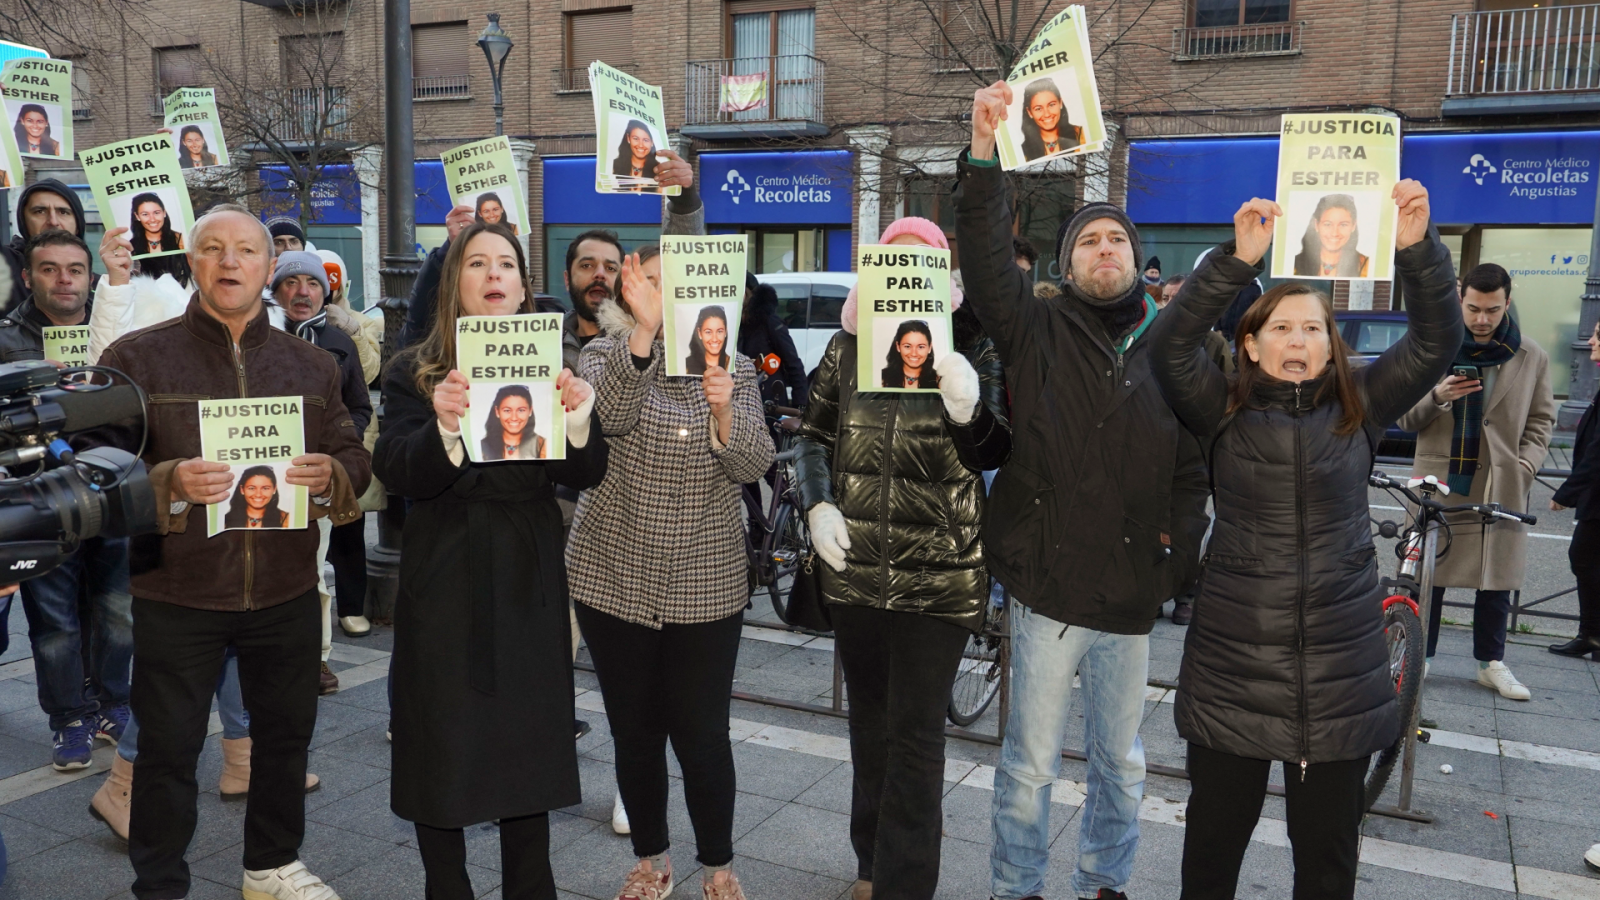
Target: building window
[(606, 35), (441, 59), (80, 90), (763, 28), (311, 60), (176, 67), (930, 198), (1223, 13)]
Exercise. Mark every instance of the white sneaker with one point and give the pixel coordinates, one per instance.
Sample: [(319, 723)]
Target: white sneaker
[(1592, 858), (619, 817), (1499, 677), (291, 882), (355, 626)]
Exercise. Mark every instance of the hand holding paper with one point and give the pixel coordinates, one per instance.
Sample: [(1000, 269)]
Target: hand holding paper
[(1253, 225), (199, 482), (457, 220), (988, 111), (116, 251), (574, 390), (313, 471), (674, 170), (1412, 226), (450, 400), (718, 384)]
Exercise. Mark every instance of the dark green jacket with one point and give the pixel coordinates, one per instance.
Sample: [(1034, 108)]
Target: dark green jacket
[(910, 485)]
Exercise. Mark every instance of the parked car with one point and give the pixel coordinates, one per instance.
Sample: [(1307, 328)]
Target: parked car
[(1369, 332), (809, 303)]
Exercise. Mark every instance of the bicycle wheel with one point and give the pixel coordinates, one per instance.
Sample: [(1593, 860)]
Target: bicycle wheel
[(978, 679), (788, 549), (1402, 629)]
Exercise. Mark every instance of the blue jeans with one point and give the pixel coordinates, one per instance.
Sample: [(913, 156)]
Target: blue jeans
[(51, 602), (230, 708), (1113, 669)]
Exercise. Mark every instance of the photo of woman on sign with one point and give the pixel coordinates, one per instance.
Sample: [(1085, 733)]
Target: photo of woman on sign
[(508, 429), (193, 151), (708, 344), (910, 359), (636, 154), (490, 208), (32, 129), (151, 227), (255, 501), (1045, 127), (1328, 249)]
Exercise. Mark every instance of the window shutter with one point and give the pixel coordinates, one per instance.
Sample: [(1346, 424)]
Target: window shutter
[(178, 67), (442, 50), (606, 36), (312, 60)]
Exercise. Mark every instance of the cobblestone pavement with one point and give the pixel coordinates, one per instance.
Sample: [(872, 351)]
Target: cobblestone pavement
[(1535, 766)]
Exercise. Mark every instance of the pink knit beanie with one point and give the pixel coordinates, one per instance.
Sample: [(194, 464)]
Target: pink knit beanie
[(916, 225)]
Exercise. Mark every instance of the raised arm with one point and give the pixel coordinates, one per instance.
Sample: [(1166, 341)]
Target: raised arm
[(984, 441), (819, 428), (1409, 369), (999, 291), (1194, 387)]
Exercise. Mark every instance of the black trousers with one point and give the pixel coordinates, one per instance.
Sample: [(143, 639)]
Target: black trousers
[(672, 683), (1490, 612), (898, 668), (347, 550), (1584, 554), (524, 860), (177, 660), (1225, 799)]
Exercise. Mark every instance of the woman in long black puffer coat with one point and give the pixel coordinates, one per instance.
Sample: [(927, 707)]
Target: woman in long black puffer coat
[(1286, 658)]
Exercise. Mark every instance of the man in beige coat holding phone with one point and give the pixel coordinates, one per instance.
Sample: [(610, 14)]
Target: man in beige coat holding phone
[(1484, 431)]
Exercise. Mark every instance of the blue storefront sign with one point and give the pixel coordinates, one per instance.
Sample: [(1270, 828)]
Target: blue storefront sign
[(1538, 178), (335, 198), (811, 187), (570, 197)]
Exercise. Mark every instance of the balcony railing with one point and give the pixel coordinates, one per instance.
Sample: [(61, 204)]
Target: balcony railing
[(947, 60), (1525, 51), (441, 87), (754, 89), (1233, 41), (297, 115), (576, 81), (81, 110)]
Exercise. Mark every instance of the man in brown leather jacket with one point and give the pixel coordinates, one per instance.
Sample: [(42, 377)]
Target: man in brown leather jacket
[(256, 590)]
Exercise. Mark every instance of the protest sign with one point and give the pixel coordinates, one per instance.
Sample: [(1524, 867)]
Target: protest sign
[(10, 160), (1055, 103), (256, 438), (484, 176), (511, 364), (191, 113), (630, 127), (1336, 172), (902, 316), (138, 185), (702, 294), (67, 344), (38, 102)]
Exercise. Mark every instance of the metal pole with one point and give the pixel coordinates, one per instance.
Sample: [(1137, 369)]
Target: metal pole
[(399, 270), (1408, 760), (1581, 390), (499, 108)]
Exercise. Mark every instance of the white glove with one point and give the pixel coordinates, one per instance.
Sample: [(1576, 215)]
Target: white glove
[(958, 385), (829, 537), (578, 422)]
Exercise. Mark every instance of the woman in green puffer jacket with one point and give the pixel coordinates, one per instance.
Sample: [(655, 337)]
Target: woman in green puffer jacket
[(893, 488)]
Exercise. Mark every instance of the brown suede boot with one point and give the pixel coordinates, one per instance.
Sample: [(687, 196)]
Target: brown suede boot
[(234, 785), (113, 802)]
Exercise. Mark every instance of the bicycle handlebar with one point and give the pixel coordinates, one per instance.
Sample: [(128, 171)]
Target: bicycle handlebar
[(1487, 510), (789, 455)]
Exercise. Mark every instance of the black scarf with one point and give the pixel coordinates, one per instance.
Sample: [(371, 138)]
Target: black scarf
[(1466, 437), (1117, 317)]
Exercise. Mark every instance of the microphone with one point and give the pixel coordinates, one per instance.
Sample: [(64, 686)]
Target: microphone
[(87, 409)]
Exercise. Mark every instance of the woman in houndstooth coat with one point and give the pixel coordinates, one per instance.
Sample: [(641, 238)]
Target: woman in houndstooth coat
[(658, 572)]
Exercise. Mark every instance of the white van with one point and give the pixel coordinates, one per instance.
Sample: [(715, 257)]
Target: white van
[(809, 303)]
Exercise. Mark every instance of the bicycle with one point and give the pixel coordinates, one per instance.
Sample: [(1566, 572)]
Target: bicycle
[(1406, 610), (983, 662), (778, 538)]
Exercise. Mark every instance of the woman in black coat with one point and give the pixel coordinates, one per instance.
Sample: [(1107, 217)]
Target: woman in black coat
[(1286, 658), (482, 643), (1579, 494)]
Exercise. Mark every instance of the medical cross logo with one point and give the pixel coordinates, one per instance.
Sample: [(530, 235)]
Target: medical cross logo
[(735, 184), (1479, 167)]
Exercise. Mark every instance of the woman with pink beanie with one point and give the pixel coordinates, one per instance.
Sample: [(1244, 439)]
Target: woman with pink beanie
[(893, 488)]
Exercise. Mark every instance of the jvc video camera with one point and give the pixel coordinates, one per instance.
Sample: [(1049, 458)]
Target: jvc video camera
[(52, 498)]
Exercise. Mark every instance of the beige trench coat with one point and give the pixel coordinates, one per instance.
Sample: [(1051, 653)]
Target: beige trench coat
[(1516, 433)]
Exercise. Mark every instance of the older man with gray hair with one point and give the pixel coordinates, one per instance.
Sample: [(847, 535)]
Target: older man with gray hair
[(256, 591)]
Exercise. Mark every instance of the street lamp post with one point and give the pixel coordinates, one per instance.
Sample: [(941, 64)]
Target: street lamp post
[(496, 46), (1581, 392)]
